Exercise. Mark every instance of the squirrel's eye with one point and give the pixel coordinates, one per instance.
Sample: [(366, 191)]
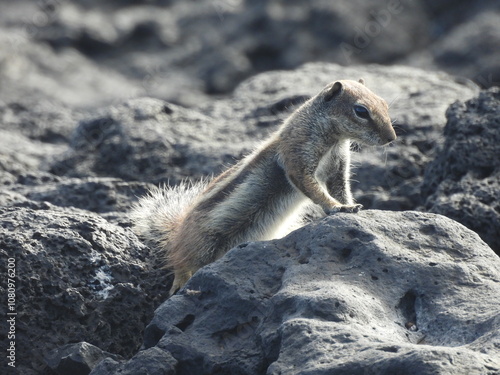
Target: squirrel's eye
[(361, 112)]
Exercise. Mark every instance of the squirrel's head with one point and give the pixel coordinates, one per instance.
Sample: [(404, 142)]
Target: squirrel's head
[(357, 112)]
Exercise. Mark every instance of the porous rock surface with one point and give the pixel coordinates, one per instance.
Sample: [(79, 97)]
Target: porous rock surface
[(463, 181), (150, 140), (79, 358), (373, 293), (79, 278)]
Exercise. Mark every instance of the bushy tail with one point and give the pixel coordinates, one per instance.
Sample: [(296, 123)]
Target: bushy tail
[(155, 215)]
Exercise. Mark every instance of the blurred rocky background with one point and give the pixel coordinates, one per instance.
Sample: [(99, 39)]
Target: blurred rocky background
[(99, 100), (89, 52)]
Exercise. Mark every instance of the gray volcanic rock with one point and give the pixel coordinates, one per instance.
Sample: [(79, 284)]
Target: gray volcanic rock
[(42, 120), (79, 278), (452, 14), (383, 292), (33, 70), (32, 133), (464, 35), (463, 182), (101, 195), (467, 50), (147, 139), (152, 361), (77, 359)]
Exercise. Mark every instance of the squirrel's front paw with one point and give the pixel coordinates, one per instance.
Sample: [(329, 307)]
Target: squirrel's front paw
[(344, 208), (352, 209)]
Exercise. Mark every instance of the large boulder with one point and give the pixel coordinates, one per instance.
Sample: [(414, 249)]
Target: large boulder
[(106, 196), (78, 278), (463, 181), (32, 132), (383, 292), (148, 139)]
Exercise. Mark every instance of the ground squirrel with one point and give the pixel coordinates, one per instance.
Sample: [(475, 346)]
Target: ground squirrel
[(306, 159)]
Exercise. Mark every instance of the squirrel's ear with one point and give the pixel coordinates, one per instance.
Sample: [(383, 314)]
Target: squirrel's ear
[(362, 81), (334, 91)]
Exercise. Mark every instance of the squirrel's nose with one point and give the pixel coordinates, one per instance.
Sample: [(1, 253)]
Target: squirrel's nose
[(388, 136)]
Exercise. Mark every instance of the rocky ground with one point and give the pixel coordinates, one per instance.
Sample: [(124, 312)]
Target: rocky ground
[(99, 101), (349, 295)]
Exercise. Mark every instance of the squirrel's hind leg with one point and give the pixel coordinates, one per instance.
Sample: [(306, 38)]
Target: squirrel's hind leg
[(181, 277)]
